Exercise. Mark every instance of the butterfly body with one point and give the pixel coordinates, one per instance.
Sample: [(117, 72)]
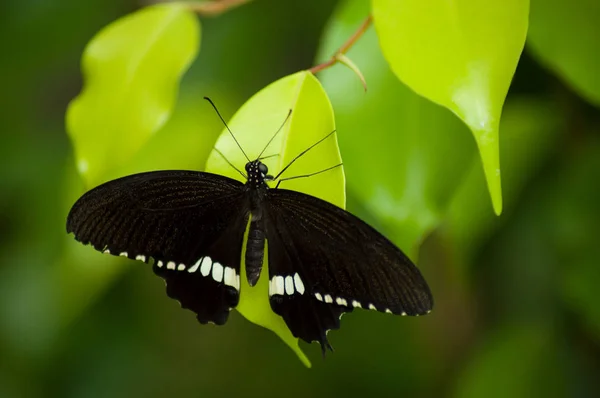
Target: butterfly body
[(322, 260), (257, 188)]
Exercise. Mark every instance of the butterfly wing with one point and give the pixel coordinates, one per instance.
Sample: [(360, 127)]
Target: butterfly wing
[(191, 223), (323, 261)]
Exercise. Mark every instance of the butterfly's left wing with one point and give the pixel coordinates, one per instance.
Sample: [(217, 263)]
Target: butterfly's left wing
[(324, 261), (191, 223)]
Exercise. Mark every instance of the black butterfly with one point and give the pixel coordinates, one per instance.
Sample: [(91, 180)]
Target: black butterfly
[(323, 261)]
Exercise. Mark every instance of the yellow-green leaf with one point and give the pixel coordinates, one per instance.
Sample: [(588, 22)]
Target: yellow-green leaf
[(403, 155), (460, 54), (131, 73), (564, 36), (184, 142), (253, 125)]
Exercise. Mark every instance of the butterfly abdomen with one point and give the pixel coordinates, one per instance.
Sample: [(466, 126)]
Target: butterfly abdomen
[(255, 249)]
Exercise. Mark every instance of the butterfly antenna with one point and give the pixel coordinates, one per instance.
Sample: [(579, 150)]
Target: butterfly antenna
[(268, 156), (223, 120), (277, 132), (231, 164), (302, 153), (306, 175)]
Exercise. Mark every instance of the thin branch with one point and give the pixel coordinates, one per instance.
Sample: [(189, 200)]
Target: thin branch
[(354, 38), (344, 48), (216, 7)]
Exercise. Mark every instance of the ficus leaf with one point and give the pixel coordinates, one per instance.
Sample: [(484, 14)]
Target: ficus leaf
[(131, 72), (460, 54), (531, 130), (572, 215), (184, 142), (404, 156), (253, 125), (523, 373), (571, 51)]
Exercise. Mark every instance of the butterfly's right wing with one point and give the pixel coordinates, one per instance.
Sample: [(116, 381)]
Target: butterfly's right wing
[(191, 223), (324, 261)]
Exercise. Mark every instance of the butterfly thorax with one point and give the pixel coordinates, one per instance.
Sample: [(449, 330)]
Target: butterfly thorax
[(256, 184), (257, 175)]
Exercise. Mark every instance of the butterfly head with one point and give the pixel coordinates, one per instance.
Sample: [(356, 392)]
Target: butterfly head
[(257, 173)]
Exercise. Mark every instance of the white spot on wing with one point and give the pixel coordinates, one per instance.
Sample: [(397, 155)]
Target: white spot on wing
[(205, 266), (195, 267), (279, 285), (318, 296), (341, 301), (372, 307), (289, 285), (328, 298), (388, 311), (181, 267), (217, 272), (229, 277), (140, 257), (159, 263), (298, 284), (403, 313), (171, 265), (356, 304), (106, 251), (123, 254)]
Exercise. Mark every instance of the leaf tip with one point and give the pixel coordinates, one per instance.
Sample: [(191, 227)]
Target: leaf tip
[(344, 60), (497, 200), (489, 151), (494, 182)]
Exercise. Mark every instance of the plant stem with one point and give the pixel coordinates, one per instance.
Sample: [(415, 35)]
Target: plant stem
[(216, 7), (345, 47)]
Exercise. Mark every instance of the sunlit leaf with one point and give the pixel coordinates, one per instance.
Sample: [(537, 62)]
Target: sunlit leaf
[(185, 141), (132, 70), (460, 54), (403, 155), (253, 125), (182, 143), (564, 36)]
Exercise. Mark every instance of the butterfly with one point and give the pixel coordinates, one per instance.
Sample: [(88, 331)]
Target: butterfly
[(322, 260)]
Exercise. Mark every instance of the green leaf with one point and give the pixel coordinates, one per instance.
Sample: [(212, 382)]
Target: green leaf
[(253, 125), (186, 139), (461, 55), (403, 155), (132, 69), (580, 289), (184, 142), (571, 212), (563, 35), (531, 129), (514, 362)]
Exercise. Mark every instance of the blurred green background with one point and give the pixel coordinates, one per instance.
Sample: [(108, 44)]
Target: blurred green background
[(517, 302)]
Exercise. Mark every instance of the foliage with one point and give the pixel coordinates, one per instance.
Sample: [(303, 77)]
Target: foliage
[(515, 297)]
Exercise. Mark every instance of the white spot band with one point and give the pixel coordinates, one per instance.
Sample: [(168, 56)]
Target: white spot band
[(288, 285)]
